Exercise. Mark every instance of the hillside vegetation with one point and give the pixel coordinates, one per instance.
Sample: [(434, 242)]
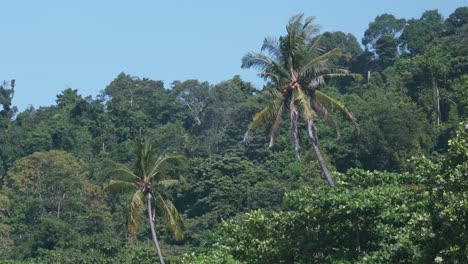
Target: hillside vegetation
[(354, 154)]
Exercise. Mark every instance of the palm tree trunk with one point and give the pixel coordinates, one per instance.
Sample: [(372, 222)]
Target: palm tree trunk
[(435, 90), (293, 127), (153, 232), (323, 165)]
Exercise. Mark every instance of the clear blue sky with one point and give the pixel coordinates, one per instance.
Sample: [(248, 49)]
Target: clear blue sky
[(50, 45)]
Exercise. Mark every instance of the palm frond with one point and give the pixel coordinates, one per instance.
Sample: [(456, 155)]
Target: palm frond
[(309, 27), (119, 187), (271, 44), (334, 72), (276, 124), (169, 183), (327, 116), (183, 181), (313, 48), (356, 76), (178, 162), (123, 173), (293, 43), (276, 73), (308, 22), (305, 109), (268, 115), (135, 208), (256, 60), (144, 152), (295, 24), (314, 66), (271, 75), (334, 75), (319, 80), (171, 217), (264, 117), (332, 104), (316, 82)]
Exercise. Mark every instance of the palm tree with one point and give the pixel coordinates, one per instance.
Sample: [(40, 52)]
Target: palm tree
[(297, 69), (150, 180)]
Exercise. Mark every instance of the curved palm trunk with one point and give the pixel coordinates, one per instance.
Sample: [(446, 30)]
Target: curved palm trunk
[(153, 232), (323, 165)]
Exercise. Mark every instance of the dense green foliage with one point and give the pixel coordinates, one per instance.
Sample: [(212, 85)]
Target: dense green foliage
[(401, 191), (381, 220)]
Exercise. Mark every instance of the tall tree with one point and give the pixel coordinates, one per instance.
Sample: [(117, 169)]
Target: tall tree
[(135, 103), (50, 204), (6, 95), (297, 68), (382, 25), (7, 90), (457, 20), (193, 95), (386, 48), (420, 32), (347, 43), (151, 178), (382, 37)]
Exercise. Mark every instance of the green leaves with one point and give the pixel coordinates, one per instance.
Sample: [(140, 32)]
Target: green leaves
[(119, 187), (383, 223), (159, 169), (448, 185), (256, 60), (171, 217), (135, 211), (305, 109), (50, 205), (382, 25), (123, 173), (169, 183), (271, 115)]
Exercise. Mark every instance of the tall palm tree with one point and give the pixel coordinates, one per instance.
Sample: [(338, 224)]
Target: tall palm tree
[(150, 181), (297, 68)]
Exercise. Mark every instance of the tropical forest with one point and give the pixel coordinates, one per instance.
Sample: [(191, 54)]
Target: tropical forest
[(352, 151)]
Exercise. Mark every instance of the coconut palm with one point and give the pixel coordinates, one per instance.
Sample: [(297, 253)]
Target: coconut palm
[(297, 67), (150, 180)]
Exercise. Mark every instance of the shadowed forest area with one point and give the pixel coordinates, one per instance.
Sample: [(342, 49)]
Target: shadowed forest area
[(352, 152)]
